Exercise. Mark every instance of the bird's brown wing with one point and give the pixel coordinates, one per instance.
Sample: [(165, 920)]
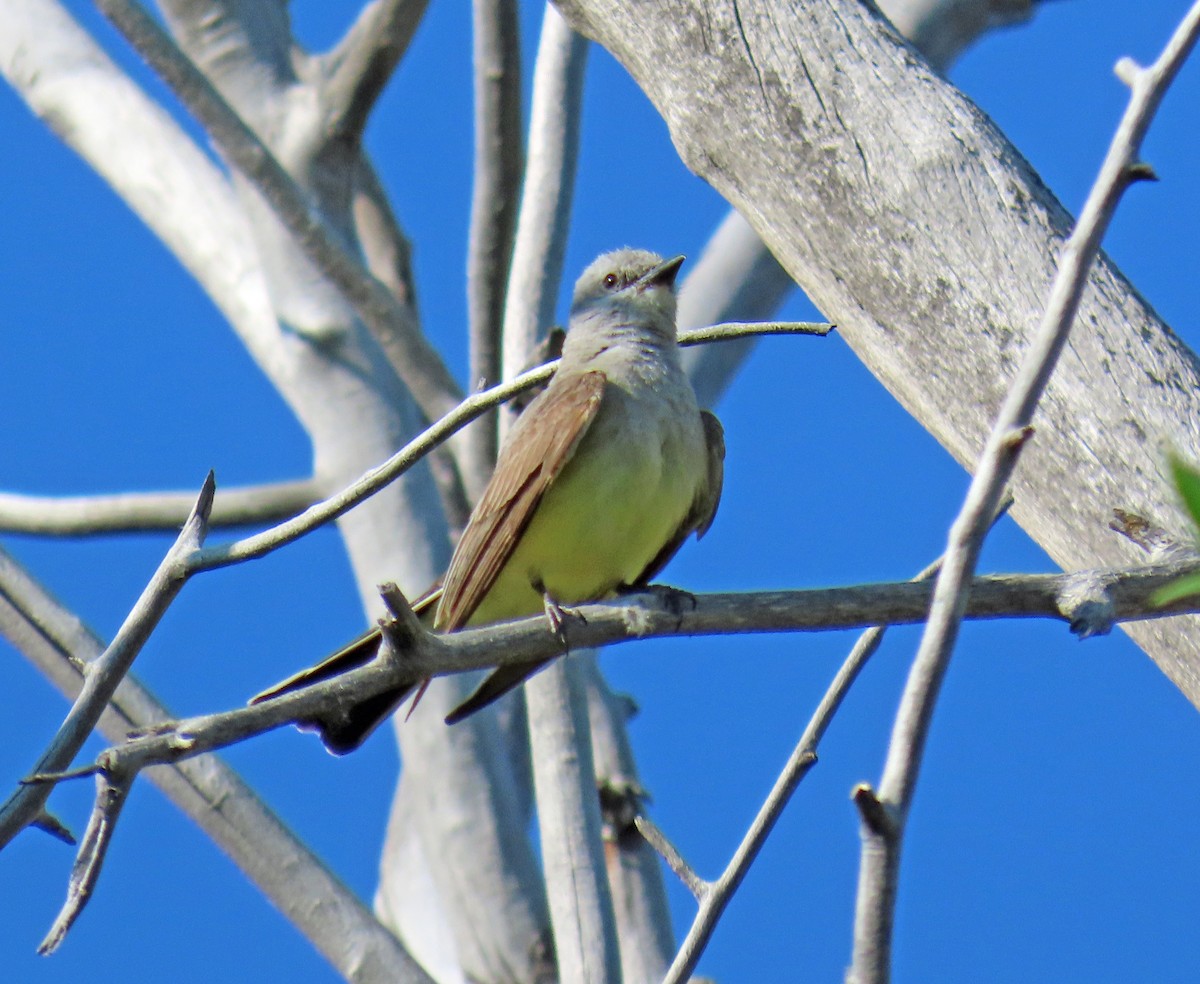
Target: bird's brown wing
[(704, 506), (551, 430), (698, 519)]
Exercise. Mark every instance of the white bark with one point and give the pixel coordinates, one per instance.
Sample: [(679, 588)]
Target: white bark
[(471, 837), (581, 908), (555, 119)]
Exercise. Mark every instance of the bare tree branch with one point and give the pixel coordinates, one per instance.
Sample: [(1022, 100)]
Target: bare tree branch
[(1090, 602), (104, 674), (132, 144), (112, 790), (358, 69), (657, 839), (880, 861), (736, 276), (943, 29), (635, 877), (715, 896), (425, 375), (208, 792), (1071, 597), (581, 908), (139, 512), (389, 258), (549, 187), (568, 810), (494, 201)]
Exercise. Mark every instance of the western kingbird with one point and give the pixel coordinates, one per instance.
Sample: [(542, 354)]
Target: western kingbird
[(597, 485)]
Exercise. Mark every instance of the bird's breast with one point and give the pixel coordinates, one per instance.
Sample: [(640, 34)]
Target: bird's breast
[(623, 495)]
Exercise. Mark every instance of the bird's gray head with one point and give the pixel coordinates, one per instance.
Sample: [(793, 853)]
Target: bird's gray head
[(627, 287)]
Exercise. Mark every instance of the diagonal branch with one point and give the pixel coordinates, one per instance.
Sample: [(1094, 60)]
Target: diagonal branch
[(736, 274), (104, 674), (358, 69), (210, 793), (715, 896), (880, 862), (424, 374)]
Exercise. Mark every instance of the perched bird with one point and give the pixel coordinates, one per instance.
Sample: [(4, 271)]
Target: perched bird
[(597, 485)]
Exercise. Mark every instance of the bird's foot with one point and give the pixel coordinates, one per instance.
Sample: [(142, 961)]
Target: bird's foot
[(557, 616)]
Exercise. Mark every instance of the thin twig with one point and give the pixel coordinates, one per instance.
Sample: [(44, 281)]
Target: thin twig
[(879, 866), (716, 895), (1125, 595), (670, 854), (743, 329), (734, 276), (140, 512), (112, 792), (425, 374), (104, 675), (377, 478)]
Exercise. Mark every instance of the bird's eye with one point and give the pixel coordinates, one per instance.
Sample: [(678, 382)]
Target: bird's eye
[(611, 281)]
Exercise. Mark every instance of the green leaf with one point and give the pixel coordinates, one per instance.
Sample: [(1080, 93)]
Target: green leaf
[(1183, 587), (1187, 482)]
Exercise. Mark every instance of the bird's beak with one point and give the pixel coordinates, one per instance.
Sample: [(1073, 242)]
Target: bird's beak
[(662, 275)]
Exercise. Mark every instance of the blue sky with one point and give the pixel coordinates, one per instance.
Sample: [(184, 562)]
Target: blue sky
[(1053, 836)]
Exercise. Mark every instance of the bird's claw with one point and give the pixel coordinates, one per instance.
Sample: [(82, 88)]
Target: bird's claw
[(557, 616)]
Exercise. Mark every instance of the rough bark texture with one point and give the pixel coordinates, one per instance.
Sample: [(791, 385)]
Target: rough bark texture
[(917, 228)]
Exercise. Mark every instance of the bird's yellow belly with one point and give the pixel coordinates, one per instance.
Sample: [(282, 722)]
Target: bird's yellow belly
[(605, 517)]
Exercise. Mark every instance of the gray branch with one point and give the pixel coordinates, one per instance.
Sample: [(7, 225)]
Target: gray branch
[(104, 674), (581, 905), (541, 238), (715, 896), (494, 200), (635, 877), (736, 276), (379, 477), (425, 374), (1089, 602), (357, 70), (880, 861)]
